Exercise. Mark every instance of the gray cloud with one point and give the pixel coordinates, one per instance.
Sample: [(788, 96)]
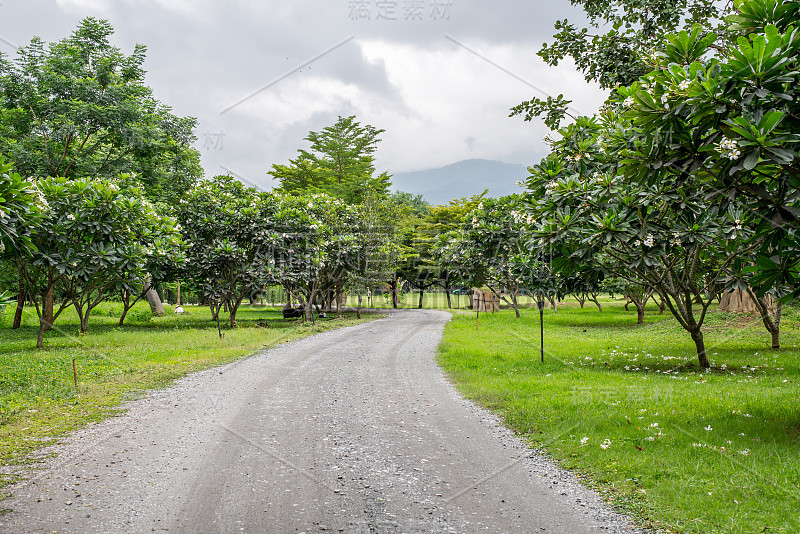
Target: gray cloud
[(437, 101)]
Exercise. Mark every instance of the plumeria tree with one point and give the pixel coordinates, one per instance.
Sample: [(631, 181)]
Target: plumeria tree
[(299, 255), (379, 252), (230, 231), (17, 221), (490, 241), (728, 117), (661, 232), (90, 239), (16, 216)]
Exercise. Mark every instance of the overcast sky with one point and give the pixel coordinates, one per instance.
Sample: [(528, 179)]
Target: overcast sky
[(438, 75)]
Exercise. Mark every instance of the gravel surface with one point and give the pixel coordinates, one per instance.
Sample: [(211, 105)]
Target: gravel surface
[(353, 430)]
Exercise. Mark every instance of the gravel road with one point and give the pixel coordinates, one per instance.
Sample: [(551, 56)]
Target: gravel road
[(354, 430)]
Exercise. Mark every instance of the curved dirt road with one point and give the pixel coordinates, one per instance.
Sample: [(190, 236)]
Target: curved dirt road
[(354, 430)]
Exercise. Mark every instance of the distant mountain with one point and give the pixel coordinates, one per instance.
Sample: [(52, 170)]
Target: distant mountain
[(462, 179)]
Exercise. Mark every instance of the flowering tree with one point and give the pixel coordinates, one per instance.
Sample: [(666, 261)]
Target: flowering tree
[(661, 233), (378, 251), (16, 216), (230, 232), (729, 116), (90, 239), (299, 256), (491, 239)]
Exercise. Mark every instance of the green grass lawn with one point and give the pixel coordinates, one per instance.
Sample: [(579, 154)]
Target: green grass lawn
[(38, 399), (629, 409)]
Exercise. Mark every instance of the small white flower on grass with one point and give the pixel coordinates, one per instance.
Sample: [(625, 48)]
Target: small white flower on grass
[(650, 438), (584, 440), (708, 428), (654, 425), (606, 444), (745, 452)]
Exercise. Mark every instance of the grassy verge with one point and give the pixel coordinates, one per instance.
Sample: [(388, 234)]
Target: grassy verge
[(38, 400), (628, 408)]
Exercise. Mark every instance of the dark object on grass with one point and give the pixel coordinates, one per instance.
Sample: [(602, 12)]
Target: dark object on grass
[(291, 313)]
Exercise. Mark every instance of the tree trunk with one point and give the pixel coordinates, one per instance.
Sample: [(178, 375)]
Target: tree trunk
[(596, 301), (701, 349), (309, 310), (394, 288), (40, 339), (153, 299), (124, 314), (639, 313), (49, 302), (449, 303), (20, 302), (421, 293), (514, 302), (358, 309)]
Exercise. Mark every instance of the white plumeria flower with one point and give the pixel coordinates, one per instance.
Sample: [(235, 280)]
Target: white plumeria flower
[(606, 444), (729, 148), (684, 85), (585, 440), (708, 428), (71, 217), (628, 102)]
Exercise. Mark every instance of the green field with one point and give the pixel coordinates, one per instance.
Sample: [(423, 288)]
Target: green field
[(38, 399), (628, 408)]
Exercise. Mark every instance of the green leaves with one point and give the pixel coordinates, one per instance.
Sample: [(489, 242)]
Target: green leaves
[(752, 16), (686, 47), (79, 107), (761, 61), (340, 163)]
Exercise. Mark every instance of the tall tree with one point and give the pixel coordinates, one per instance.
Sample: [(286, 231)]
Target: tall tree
[(339, 162), (80, 107)]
